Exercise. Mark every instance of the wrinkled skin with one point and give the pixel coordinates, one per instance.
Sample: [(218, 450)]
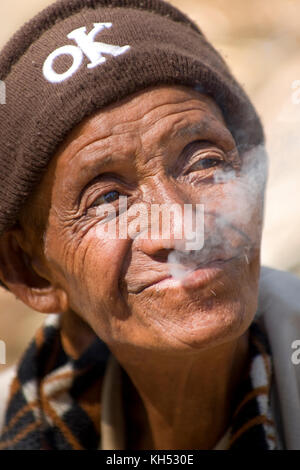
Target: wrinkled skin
[(147, 148)]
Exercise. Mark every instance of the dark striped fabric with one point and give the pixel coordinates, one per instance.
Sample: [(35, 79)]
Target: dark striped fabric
[(252, 422), (55, 401)]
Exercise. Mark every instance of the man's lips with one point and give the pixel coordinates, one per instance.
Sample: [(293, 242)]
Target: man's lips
[(197, 277)]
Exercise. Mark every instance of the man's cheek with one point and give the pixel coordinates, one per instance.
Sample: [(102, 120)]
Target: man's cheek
[(99, 265)]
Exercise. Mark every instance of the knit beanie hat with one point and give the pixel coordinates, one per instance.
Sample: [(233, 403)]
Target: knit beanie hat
[(78, 56)]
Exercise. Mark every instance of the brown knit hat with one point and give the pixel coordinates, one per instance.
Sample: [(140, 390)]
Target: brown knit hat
[(78, 56)]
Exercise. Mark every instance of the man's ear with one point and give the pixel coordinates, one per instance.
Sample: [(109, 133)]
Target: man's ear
[(23, 280)]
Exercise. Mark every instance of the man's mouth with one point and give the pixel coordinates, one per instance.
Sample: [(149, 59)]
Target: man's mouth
[(196, 277)]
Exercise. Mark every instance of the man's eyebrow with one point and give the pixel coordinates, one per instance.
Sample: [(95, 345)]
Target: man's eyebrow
[(83, 165), (106, 161), (193, 129), (209, 129), (100, 165), (91, 156)]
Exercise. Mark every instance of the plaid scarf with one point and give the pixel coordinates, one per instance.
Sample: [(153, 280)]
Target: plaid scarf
[(54, 400)]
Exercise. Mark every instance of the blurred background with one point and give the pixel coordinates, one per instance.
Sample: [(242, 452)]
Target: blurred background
[(260, 40)]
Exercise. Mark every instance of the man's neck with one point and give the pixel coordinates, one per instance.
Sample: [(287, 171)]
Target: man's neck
[(183, 403)]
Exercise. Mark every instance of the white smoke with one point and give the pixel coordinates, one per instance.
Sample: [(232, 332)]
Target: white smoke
[(226, 227)]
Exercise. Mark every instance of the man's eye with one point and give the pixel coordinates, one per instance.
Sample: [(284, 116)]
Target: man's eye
[(206, 163), (106, 198)]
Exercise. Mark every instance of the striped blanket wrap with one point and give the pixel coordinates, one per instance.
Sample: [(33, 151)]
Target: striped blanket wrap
[(54, 401)]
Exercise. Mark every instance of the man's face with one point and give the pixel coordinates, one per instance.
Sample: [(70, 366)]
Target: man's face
[(163, 145)]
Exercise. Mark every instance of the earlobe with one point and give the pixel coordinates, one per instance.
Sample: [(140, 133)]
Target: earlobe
[(18, 274), (47, 300)]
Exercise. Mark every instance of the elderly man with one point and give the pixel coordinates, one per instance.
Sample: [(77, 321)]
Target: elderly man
[(155, 341)]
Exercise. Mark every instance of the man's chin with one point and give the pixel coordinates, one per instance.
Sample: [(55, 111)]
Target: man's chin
[(191, 326)]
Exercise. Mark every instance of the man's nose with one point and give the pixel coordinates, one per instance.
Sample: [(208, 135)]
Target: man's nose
[(166, 228), (159, 248)]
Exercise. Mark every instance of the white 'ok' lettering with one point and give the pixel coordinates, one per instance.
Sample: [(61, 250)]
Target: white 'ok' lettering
[(85, 45)]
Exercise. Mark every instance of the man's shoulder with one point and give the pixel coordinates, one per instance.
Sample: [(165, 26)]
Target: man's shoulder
[(279, 291), (279, 308), (279, 313)]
